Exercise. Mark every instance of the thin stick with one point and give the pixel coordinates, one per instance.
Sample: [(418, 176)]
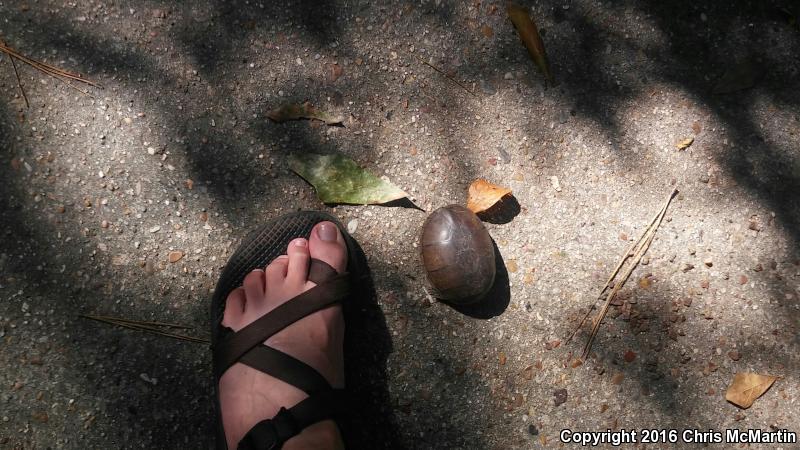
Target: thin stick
[(641, 246), (624, 258), (44, 67), (140, 322), (19, 82), (444, 74), (147, 327)]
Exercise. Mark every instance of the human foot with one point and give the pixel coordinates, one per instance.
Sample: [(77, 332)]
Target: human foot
[(248, 396)]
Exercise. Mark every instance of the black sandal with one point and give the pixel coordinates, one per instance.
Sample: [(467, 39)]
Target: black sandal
[(257, 250)]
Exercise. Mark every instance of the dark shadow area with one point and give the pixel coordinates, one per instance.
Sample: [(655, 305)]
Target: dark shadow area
[(370, 420), (404, 202), (502, 212), (108, 360), (498, 298)]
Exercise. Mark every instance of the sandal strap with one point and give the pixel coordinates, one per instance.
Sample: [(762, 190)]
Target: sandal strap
[(286, 368), (231, 348), (319, 271), (272, 433)]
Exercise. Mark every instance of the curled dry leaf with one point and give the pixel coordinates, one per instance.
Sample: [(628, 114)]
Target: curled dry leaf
[(293, 111), (482, 195), (529, 35), (747, 387), (684, 144)]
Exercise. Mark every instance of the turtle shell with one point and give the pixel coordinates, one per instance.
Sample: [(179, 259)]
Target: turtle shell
[(458, 255)]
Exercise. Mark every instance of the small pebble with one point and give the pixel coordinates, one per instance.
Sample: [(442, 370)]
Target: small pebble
[(555, 183), (352, 226), (155, 229), (175, 256), (104, 224)]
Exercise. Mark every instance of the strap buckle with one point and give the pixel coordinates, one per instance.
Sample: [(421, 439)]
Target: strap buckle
[(270, 434)]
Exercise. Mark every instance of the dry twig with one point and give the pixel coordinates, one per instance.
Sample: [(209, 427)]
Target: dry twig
[(635, 253), (55, 72), (19, 82), (444, 74), (149, 327)]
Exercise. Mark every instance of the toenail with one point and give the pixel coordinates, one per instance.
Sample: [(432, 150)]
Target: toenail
[(283, 257), (300, 242), (327, 232)]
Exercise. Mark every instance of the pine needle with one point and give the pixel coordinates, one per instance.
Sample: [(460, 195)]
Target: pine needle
[(452, 79), (55, 72), (149, 327), (634, 253), (19, 82)]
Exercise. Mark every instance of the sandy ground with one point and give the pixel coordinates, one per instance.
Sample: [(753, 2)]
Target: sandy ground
[(176, 154)]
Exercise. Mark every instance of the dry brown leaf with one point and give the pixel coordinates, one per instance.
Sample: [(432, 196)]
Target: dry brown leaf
[(482, 195), (487, 31), (529, 35), (684, 144), (747, 387)]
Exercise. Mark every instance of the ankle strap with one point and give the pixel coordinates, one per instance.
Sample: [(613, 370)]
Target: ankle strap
[(271, 434)]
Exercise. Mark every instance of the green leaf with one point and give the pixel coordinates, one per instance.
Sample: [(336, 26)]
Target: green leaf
[(293, 111), (338, 179)]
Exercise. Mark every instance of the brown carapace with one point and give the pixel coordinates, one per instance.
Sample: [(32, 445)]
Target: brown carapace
[(458, 255)]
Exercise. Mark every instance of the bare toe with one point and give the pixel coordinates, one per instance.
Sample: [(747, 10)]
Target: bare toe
[(254, 286), (234, 308), (327, 244), (297, 272)]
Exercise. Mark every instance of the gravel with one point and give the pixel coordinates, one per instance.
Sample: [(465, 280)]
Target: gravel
[(95, 206)]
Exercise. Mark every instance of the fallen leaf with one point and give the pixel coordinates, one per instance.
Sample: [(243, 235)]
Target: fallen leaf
[(644, 282), (502, 359), (629, 356), (747, 387), (684, 144), (338, 179), (529, 35), (617, 378), (696, 127), (487, 31), (482, 195), (734, 355), (293, 111), (552, 344), (741, 76)]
